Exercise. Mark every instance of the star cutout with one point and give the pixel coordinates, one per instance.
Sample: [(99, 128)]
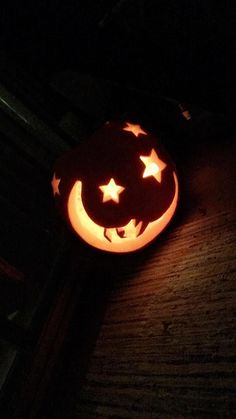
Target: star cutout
[(154, 165), (135, 129), (55, 185), (111, 191)]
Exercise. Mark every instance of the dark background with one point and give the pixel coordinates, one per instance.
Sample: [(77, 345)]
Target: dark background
[(57, 58), (185, 49)]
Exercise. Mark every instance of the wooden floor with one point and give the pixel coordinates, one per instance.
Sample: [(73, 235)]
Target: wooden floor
[(167, 344)]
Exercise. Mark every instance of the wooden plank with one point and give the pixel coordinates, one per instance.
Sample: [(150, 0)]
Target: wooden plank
[(167, 343)]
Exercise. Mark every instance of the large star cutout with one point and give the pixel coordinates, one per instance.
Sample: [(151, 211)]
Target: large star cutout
[(111, 191), (135, 129), (55, 185), (154, 165)]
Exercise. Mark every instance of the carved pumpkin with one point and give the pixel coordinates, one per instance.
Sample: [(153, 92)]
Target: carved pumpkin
[(119, 189)]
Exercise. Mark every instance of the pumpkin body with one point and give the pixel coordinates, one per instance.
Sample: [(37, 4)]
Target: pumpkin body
[(119, 189)]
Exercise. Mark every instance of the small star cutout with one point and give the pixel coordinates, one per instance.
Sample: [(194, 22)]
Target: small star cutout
[(55, 185), (135, 129), (154, 165), (111, 191)]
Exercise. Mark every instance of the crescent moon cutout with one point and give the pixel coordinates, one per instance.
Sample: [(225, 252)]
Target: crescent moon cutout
[(93, 233)]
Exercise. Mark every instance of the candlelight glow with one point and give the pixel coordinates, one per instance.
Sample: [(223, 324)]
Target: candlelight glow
[(111, 191), (55, 185), (135, 129), (110, 239), (119, 190), (154, 166)]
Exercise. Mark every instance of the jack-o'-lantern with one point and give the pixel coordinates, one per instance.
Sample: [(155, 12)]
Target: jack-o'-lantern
[(118, 190)]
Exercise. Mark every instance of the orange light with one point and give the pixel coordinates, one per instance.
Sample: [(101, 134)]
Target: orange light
[(108, 238), (111, 191), (135, 129), (130, 230), (55, 185), (154, 165), (128, 197)]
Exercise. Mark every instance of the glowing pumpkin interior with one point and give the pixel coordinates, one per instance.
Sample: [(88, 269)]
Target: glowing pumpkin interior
[(118, 190)]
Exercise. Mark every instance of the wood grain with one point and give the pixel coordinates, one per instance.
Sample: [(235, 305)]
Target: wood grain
[(167, 344)]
